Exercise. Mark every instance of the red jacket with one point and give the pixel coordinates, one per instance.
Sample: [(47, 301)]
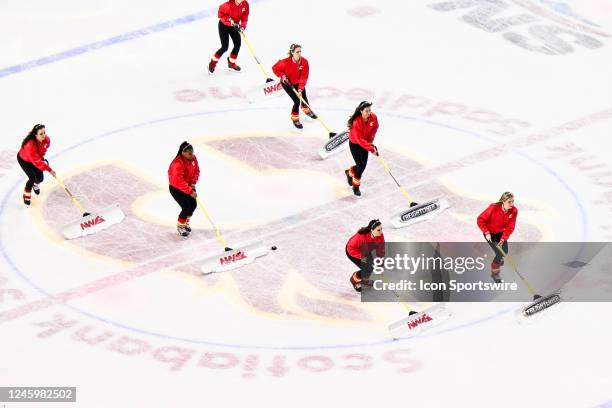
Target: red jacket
[(361, 244), (296, 72), (183, 172), (363, 133), (495, 220), (238, 13), (34, 152)]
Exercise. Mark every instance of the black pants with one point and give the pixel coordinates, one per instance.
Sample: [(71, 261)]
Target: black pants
[(225, 33), (296, 101), (188, 203), (360, 155), (365, 266), (35, 175), (499, 259)]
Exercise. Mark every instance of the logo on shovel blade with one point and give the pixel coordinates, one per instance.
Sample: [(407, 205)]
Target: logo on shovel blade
[(93, 222), (410, 214), (331, 145), (232, 258), (273, 88), (542, 304), (424, 318)]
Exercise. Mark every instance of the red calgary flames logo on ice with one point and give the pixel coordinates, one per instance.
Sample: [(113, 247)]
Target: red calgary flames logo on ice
[(232, 258), (92, 222), (424, 318)]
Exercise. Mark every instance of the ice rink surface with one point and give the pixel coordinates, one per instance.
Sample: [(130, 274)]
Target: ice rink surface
[(473, 98)]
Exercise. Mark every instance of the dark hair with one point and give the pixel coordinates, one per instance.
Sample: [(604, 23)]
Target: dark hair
[(362, 105), (292, 48), (183, 147), (368, 228), (32, 134)]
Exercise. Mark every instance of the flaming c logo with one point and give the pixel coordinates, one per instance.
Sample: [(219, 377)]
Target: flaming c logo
[(309, 280)]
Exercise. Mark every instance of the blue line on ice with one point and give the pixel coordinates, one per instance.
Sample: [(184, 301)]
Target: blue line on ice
[(121, 38)]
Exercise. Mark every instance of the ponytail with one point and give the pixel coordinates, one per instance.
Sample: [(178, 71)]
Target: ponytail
[(183, 147), (368, 228), (32, 134), (357, 113)]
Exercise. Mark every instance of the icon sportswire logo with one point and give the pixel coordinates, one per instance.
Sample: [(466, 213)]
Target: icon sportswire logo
[(92, 222)]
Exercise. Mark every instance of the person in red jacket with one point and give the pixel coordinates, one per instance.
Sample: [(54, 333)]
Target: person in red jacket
[(497, 223), (363, 125), (31, 158), (359, 250), (183, 174), (293, 73), (233, 18)]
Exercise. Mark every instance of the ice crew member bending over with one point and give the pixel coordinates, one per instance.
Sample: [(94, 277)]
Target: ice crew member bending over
[(31, 158), (359, 250)]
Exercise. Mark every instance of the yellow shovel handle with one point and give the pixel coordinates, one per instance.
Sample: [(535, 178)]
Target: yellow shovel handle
[(72, 197), (388, 170), (217, 232), (511, 261), (308, 106), (263, 71)]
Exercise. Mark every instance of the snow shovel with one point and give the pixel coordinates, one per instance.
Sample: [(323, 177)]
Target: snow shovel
[(540, 303), (272, 87), (416, 212), (417, 322), (230, 258), (335, 145), (89, 223)]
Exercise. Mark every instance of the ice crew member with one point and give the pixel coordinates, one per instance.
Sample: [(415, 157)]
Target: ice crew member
[(363, 125), (497, 223), (183, 175), (31, 158), (233, 18), (293, 73), (359, 250)]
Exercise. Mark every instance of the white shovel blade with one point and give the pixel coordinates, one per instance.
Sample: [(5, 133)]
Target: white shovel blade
[(420, 212), (335, 145), (234, 259), (419, 322), (271, 89), (94, 222)]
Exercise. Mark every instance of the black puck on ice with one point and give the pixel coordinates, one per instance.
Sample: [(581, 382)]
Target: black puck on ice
[(273, 248)]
